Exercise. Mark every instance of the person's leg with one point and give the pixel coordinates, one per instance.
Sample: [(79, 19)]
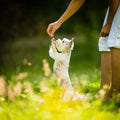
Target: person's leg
[(106, 74), (115, 57)]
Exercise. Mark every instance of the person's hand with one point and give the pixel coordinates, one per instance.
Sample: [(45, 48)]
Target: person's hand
[(105, 30), (52, 27)]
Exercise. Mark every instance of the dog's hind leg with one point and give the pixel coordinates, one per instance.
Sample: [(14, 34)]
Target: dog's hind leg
[(67, 89)]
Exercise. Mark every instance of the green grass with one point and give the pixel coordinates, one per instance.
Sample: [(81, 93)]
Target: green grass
[(32, 95)]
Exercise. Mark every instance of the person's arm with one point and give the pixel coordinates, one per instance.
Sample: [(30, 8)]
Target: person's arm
[(113, 6), (73, 6), (71, 9)]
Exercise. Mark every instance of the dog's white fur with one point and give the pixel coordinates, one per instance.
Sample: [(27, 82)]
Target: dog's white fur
[(60, 51)]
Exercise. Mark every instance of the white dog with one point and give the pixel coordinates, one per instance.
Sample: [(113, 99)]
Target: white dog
[(60, 51)]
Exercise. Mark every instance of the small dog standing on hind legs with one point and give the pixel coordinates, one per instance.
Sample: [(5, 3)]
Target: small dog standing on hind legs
[(60, 51)]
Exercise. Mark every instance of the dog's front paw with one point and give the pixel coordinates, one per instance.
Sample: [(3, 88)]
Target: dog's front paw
[(53, 39)]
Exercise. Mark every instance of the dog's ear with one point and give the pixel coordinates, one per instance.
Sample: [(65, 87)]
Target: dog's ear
[(71, 44), (72, 39)]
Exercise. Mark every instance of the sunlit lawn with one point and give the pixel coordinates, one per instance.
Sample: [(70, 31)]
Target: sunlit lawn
[(29, 91)]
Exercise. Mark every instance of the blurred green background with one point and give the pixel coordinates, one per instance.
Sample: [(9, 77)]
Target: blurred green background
[(26, 92), (31, 17)]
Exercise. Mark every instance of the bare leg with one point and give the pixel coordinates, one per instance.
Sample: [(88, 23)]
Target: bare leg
[(106, 74), (115, 54)]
